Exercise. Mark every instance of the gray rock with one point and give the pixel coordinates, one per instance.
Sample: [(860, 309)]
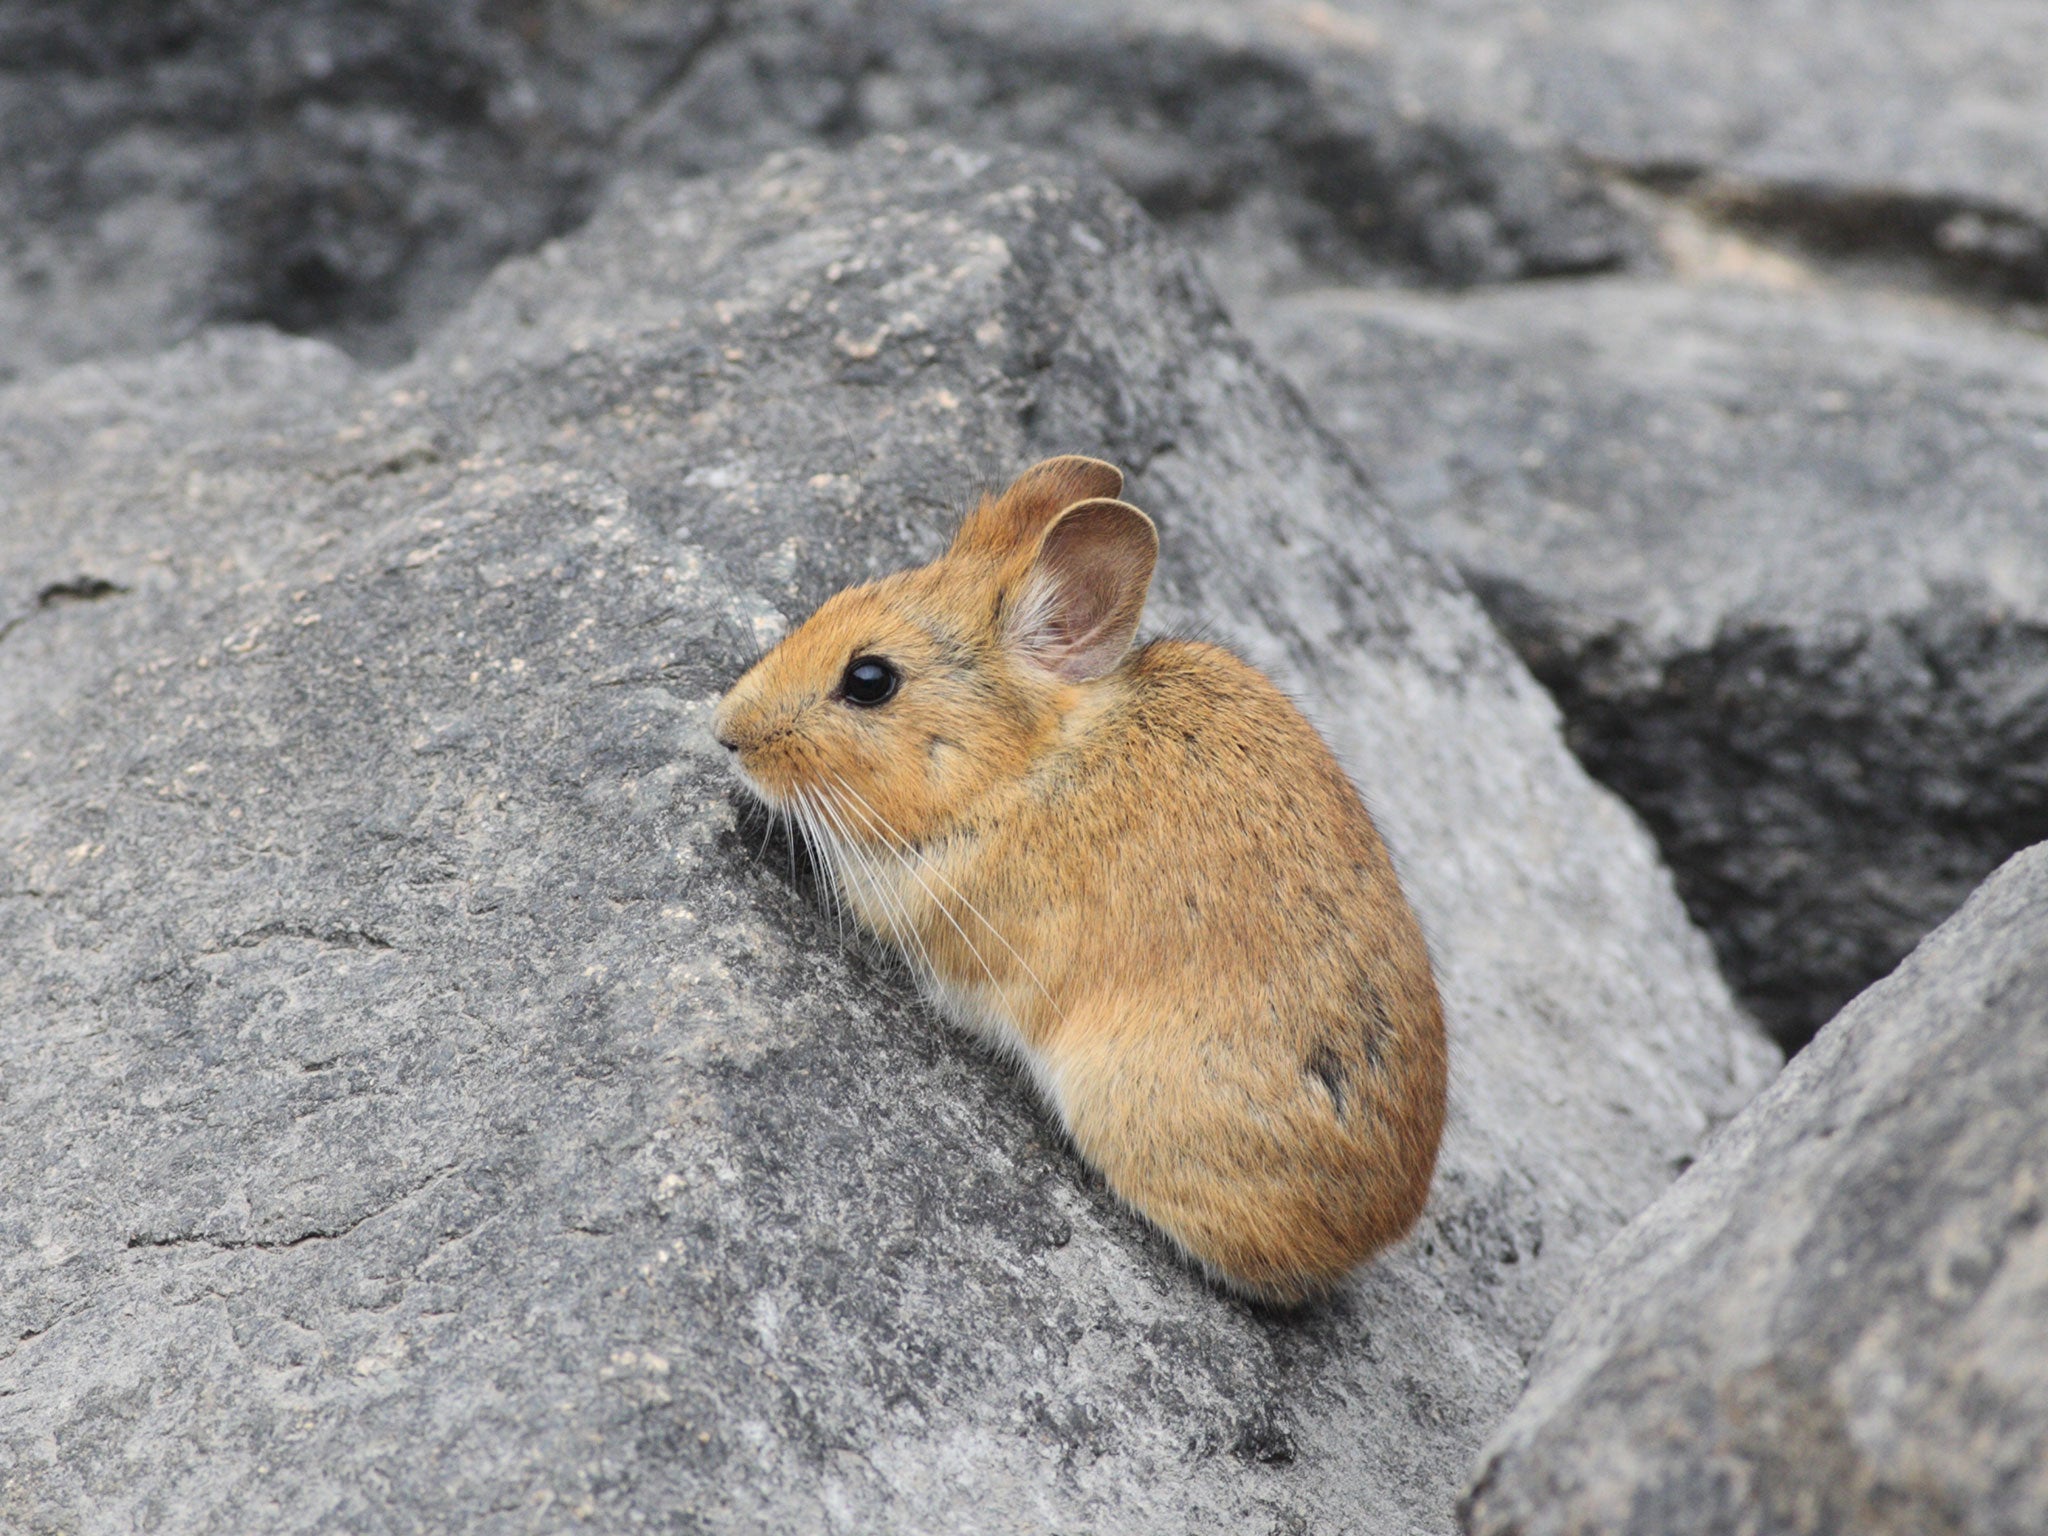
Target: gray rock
[(1783, 558), (346, 167), (351, 169), (1278, 138), (1838, 1320), (1891, 134), (148, 540), (427, 1109)]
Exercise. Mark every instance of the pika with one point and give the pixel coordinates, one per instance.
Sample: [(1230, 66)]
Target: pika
[(1137, 869)]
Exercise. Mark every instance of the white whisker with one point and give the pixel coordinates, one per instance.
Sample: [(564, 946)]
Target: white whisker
[(882, 824), (921, 964), (902, 848), (832, 848), (911, 870), (820, 844), (844, 868)]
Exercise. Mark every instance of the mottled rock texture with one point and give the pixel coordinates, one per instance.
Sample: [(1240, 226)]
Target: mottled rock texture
[(93, 564), (351, 168), (1838, 1320), (1276, 136), (1902, 137), (1782, 557), (425, 1108), (346, 167)]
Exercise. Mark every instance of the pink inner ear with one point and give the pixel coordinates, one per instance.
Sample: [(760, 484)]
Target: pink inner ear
[(1091, 575), (1078, 610)]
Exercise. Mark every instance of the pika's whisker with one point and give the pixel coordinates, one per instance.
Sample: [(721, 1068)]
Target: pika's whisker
[(926, 967), (832, 849), (891, 840), (921, 964), (820, 847), (882, 825)]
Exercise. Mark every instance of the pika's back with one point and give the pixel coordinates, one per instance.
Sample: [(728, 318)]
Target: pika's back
[(1276, 1015), (1202, 780)]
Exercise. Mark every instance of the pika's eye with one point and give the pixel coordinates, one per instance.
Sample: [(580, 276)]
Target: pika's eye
[(869, 681)]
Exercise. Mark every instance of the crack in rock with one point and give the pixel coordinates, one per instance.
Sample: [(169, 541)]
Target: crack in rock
[(77, 589), (1971, 248), (274, 1244), (341, 936)]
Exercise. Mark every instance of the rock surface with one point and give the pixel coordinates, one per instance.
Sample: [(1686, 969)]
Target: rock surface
[(1781, 556), (425, 1110), (1895, 135), (1276, 135), (352, 168), (347, 167), (1838, 1320), (94, 567)]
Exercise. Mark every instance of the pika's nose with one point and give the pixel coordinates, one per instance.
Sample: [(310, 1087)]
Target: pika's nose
[(721, 727)]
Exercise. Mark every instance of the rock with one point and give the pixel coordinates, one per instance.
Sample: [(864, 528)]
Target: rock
[(1901, 136), (351, 170), (148, 540), (425, 1105), (1782, 557), (1838, 1320), (1277, 138)]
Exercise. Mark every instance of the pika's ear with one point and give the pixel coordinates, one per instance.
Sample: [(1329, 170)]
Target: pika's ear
[(1002, 523), (1077, 606)]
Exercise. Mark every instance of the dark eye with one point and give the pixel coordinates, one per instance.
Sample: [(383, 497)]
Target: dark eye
[(869, 681)]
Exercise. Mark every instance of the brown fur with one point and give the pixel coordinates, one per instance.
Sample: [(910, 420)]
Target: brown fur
[(1140, 870)]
